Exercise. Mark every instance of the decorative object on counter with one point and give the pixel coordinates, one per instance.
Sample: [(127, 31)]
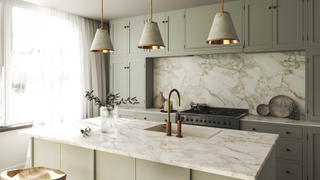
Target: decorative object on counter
[(198, 106), (296, 112), (151, 36), (34, 173), (222, 29), (102, 42), (158, 101), (85, 132), (165, 105), (109, 109), (263, 109), (279, 106), (291, 109)]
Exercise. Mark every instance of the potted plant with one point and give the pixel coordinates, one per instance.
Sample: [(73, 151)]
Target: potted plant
[(109, 109)]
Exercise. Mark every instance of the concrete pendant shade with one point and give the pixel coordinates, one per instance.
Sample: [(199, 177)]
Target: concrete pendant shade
[(151, 37), (222, 30), (102, 42)]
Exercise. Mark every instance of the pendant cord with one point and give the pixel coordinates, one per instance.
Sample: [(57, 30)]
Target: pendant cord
[(151, 9), (222, 5), (101, 14)]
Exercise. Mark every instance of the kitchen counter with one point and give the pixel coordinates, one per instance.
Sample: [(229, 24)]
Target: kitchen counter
[(231, 153), (277, 120)]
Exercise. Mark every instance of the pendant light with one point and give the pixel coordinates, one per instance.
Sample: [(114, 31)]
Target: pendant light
[(102, 42), (151, 37), (222, 30)]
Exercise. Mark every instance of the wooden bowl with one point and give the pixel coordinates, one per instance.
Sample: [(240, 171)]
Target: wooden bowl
[(263, 109)]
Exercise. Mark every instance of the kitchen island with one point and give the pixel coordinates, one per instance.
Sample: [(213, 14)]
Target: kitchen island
[(138, 154)]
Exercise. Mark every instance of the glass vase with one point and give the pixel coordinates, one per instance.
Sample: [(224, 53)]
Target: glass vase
[(109, 119)]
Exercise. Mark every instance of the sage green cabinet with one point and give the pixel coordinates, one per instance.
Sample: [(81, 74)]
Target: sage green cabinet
[(198, 24), (147, 170), (172, 29), (45, 153), (127, 114), (313, 153), (156, 117), (313, 85), (273, 25), (118, 35), (129, 77), (125, 35), (313, 15)]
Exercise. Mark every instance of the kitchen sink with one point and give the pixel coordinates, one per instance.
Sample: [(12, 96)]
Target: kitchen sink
[(188, 130)]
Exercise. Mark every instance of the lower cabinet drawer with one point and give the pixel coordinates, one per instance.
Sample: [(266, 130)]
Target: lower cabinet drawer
[(289, 150), (153, 117), (288, 171), (126, 114)]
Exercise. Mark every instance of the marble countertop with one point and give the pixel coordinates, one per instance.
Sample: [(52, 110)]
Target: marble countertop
[(277, 120), (232, 153)]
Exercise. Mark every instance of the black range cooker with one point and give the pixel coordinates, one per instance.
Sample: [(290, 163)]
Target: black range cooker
[(202, 115)]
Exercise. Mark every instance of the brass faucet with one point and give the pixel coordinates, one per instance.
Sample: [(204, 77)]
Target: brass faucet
[(168, 127)]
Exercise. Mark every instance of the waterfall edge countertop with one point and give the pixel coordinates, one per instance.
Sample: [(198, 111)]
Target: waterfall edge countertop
[(231, 153)]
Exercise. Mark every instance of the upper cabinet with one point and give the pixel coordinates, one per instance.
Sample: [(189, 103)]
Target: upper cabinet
[(172, 28), (198, 24), (313, 14), (125, 35), (273, 25)]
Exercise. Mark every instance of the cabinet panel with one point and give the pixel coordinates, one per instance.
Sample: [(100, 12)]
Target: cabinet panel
[(112, 166), (118, 77), (160, 19), (199, 175), (313, 153), (147, 170), (286, 171), (287, 23), (313, 85), (119, 37), (175, 32), (290, 150), (46, 153), (313, 23), (155, 117), (136, 26), (258, 24), (127, 114), (77, 162), (137, 81)]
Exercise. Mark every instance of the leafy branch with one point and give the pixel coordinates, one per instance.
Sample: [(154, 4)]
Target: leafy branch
[(86, 131), (112, 100)]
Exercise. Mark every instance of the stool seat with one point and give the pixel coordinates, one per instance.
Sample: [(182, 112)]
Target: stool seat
[(35, 173)]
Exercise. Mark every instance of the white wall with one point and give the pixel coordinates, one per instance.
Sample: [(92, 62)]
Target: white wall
[(13, 150)]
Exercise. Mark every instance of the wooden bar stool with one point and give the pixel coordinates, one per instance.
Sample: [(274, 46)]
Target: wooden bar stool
[(35, 173)]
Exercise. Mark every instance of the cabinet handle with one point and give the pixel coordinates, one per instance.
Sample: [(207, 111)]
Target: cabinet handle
[(288, 132), (163, 21), (253, 129), (125, 26), (274, 7), (145, 118), (288, 172), (288, 149), (125, 67), (128, 26), (270, 7), (165, 120), (166, 21)]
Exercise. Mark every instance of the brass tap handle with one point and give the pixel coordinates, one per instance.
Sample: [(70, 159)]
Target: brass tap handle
[(179, 128)]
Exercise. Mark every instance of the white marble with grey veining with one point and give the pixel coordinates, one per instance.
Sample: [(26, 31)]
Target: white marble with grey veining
[(233, 80), (232, 153)]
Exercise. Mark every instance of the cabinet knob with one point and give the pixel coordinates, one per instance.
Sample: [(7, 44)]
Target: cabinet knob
[(270, 7), (274, 7), (166, 21), (165, 120), (128, 26), (145, 118), (288, 149), (163, 21), (288, 132), (253, 129), (287, 172), (125, 67), (125, 26)]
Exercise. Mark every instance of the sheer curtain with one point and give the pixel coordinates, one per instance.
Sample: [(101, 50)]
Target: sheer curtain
[(51, 67)]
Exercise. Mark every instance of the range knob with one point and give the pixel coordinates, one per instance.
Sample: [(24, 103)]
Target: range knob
[(229, 123), (191, 120), (187, 119), (200, 120), (209, 121), (213, 122), (197, 120), (205, 121), (224, 123), (218, 122)]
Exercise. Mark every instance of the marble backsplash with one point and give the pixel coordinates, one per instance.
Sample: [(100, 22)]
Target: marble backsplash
[(232, 80)]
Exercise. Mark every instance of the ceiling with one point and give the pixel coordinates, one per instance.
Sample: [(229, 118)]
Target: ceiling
[(115, 9)]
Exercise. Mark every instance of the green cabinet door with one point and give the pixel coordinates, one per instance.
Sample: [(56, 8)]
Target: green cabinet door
[(313, 15), (137, 80), (118, 77), (313, 85), (287, 24), (118, 31), (313, 153), (136, 26), (45, 153), (175, 34), (258, 25), (160, 19)]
